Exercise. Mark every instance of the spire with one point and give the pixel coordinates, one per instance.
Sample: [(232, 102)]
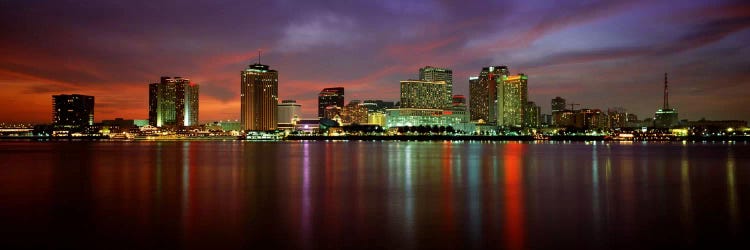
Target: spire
[(666, 92), (258, 56)]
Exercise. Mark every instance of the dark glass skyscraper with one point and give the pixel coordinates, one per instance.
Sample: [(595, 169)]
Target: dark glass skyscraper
[(260, 96), (73, 110), (330, 97), (173, 102)]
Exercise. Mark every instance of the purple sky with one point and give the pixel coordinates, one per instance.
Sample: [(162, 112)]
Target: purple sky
[(597, 53)]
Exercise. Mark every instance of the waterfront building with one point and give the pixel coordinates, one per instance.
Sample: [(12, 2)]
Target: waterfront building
[(376, 118), (512, 95), (558, 104), (423, 94), (433, 74), (354, 112), (419, 117), (483, 93), (459, 108), (617, 117), (173, 102), (289, 111), (330, 97), (259, 96), (532, 115), (73, 110)]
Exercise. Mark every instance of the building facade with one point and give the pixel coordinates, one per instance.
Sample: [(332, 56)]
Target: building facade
[(532, 115), (512, 96), (289, 111), (73, 110), (423, 94), (330, 97), (432, 74), (483, 93), (259, 87), (173, 102)]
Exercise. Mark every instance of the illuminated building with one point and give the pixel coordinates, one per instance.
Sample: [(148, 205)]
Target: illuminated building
[(459, 108), (419, 117), (354, 112), (423, 94), (260, 97), (558, 104), (332, 112), (289, 111), (532, 115), (483, 93), (73, 110), (666, 117), (617, 117), (512, 95), (590, 119), (377, 118), (330, 97), (432, 74), (173, 102)]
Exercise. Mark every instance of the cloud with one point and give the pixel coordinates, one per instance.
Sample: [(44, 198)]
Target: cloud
[(321, 30)]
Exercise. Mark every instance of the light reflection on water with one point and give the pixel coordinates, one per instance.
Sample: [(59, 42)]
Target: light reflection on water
[(377, 194)]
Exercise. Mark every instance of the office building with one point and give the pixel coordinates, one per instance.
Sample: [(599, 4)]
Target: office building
[(423, 94), (532, 115), (512, 95), (558, 104), (173, 102), (259, 98), (432, 74), (73, 110), (330, 97), (289, 111), (354, 112), (483, 93)]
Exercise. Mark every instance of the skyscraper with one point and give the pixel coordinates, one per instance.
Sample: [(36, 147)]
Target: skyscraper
[(73, 110), (288, 111), (423, 94), (558, 104), (483, 93), (173, 102), (532, 115), (512, 95), (259, 87), (330, 97), (433, 74)]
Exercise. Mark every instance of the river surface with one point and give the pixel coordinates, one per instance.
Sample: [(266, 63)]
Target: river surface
[(392, 195)]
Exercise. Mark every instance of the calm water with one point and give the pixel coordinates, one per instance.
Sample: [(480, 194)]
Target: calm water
[(373, 195)]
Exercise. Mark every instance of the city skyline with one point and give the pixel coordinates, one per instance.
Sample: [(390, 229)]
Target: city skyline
[(600, 55)]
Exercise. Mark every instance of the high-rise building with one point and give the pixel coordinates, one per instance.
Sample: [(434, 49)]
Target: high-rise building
[(330, 97), (73, 110), (354, 112), (289, 111), (617, 117), (378, 105), (532, 115), (483, 93), (666, 117), (512, 95), (260, 97), (558, 104), (173, 102), (433, 74), (558, 108), (423, 94)]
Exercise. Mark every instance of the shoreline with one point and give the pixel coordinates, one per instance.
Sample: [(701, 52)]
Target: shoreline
[(394, 138)]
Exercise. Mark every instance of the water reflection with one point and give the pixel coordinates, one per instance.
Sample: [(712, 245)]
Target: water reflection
[(377, 194)]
